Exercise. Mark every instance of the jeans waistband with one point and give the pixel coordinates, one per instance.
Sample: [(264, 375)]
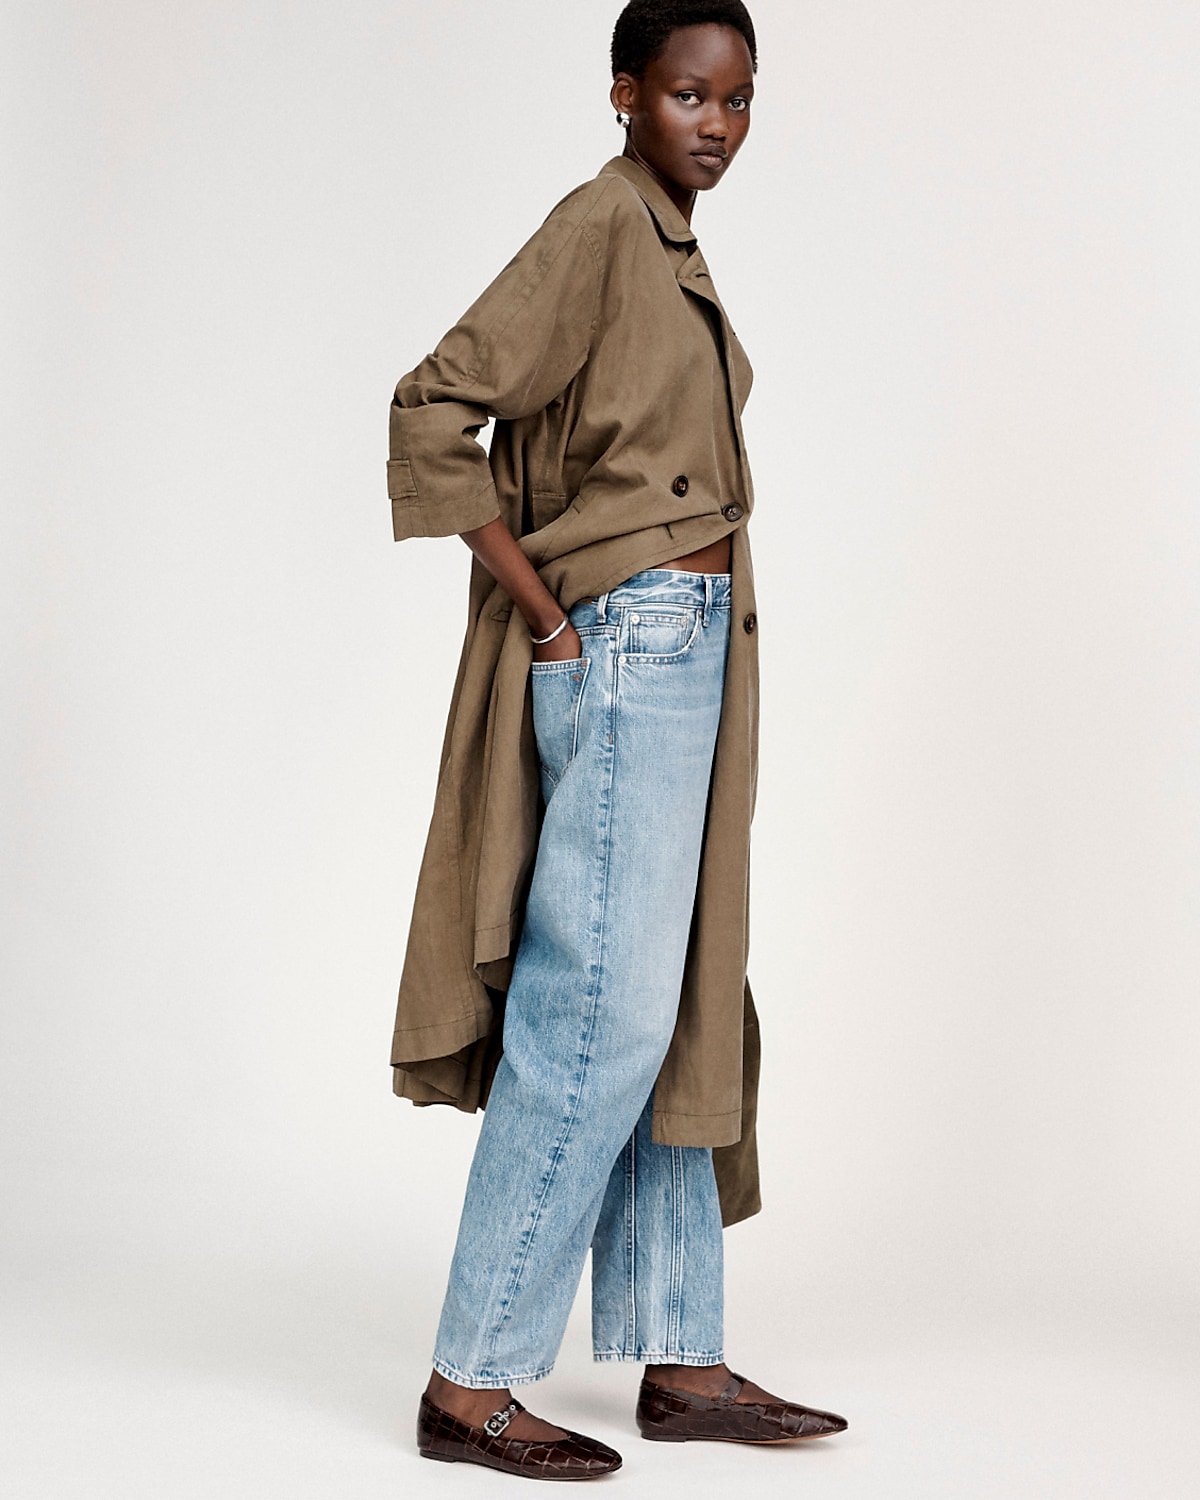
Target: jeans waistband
[(704, 591)]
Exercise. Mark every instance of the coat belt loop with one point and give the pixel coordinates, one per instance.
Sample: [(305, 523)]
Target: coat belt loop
[(601, 609)]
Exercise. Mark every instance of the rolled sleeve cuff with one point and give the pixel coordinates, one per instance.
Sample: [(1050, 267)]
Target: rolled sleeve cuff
[(438, 476), (447, 518)]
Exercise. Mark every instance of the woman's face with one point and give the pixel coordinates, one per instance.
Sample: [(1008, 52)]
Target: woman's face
[(690, 111)]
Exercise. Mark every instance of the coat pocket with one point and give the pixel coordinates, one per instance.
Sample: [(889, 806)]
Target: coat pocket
[(546, 506), (557, 694)]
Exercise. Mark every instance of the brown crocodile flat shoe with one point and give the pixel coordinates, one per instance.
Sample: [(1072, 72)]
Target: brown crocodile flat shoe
[(677, 1416), (441, 1436)]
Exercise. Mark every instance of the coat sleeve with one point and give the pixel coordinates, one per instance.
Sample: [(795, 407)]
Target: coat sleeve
[(511, 354)]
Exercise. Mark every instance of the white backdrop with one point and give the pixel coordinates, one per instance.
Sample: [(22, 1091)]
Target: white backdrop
[(960, 247)]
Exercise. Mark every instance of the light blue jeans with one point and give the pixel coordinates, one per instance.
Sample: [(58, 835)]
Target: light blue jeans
[(625, 736)]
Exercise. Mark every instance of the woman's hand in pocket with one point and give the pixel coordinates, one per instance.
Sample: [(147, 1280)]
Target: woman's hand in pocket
[(566, 646)]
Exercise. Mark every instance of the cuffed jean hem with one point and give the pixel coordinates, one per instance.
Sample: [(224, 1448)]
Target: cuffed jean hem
[(657, 1357), (488, 1382)]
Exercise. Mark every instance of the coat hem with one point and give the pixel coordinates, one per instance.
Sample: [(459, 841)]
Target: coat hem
[(441, 1039), (671, 1128), (406, 1085)]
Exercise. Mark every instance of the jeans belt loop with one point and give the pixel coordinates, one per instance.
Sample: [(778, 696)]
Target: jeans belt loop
[(708, 599), (602, 609)]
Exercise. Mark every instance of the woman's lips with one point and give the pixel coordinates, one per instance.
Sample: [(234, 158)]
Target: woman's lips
[(713, 160)]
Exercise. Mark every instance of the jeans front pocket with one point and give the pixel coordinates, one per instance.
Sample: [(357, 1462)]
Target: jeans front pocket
[(661, 630), (557, 694)]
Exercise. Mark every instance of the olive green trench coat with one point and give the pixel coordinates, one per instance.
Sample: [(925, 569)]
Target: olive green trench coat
[(617, 386)]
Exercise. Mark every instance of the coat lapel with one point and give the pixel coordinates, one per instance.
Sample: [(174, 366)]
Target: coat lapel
[(693, 277)]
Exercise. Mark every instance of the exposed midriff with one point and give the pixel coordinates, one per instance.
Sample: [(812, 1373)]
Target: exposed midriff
[(711, 559)]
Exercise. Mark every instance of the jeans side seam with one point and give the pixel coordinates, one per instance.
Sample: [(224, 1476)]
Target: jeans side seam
[(677, 1219), (631, 1243)]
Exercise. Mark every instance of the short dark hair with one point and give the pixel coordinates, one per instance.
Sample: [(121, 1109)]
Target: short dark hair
[(644, 27)]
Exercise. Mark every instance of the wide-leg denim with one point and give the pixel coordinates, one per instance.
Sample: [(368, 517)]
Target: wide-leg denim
[(565, 1159)]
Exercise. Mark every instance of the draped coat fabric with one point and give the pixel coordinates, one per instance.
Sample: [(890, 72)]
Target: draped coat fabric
[(616, 385)]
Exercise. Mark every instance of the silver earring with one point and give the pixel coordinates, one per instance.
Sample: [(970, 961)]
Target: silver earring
[(622, 119)]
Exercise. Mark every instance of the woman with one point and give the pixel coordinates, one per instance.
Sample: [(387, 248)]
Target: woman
[(578, 946)]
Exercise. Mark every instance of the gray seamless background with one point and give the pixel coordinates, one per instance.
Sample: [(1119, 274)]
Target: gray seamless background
[(960, 247)]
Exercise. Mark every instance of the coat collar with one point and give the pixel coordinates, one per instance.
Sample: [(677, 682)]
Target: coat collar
[(670, 221)]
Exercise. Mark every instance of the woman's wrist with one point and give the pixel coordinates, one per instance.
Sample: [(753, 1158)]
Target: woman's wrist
[(544, 640), (543, 620), (498, 551)]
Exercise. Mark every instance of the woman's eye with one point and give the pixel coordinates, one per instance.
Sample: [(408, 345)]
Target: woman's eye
[(687, 94), (740, 103)]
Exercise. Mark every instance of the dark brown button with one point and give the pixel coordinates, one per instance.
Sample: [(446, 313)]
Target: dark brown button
[(750, 624), (733, 511), (680, 485)]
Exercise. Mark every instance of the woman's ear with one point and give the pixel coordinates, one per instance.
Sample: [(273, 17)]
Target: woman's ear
[(623, 94)]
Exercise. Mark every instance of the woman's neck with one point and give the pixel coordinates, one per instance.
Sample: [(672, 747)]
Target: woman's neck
[(683, 198)]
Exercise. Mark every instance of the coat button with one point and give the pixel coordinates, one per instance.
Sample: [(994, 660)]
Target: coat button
[(750, 624), (732, 512), (680, 485)]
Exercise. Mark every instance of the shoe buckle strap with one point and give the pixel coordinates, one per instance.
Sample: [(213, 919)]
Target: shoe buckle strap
[(499, 1420)]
